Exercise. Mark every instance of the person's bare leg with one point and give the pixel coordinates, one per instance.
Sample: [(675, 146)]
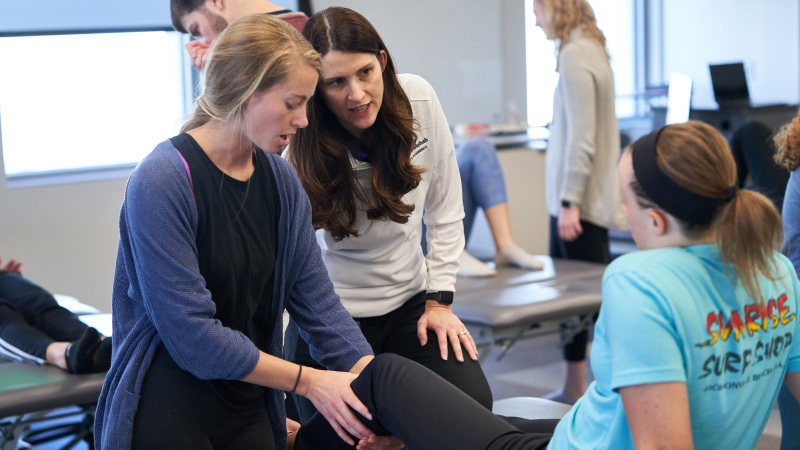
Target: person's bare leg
[(500, 224), (56, 354), (508, 253)]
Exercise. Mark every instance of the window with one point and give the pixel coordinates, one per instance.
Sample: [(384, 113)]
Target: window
[(77, 102), (616, 19)]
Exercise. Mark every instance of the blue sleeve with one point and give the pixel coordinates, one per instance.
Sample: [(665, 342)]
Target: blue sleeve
[(793, 364), (160, 217), (334, 339), (791, 217), (643, 341)]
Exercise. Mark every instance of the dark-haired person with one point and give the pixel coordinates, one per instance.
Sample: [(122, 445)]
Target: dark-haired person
[(34, 328), (753, 149), (205, 20), (376, 160), (787, 143)]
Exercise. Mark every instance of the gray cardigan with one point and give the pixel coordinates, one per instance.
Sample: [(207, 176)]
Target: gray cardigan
[(584, 148)]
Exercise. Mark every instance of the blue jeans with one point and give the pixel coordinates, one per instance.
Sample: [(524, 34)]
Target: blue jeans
[(790, 419), (482, 182)]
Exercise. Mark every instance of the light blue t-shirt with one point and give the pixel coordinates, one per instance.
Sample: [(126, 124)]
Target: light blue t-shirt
[(675, 314)]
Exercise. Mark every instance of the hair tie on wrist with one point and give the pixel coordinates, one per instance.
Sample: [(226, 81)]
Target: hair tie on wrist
[(297, 381)]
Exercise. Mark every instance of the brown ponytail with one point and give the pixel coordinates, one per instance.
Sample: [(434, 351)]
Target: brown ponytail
[(747, 228)]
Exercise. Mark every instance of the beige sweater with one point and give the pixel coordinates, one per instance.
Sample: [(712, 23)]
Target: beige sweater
[(584, 147)]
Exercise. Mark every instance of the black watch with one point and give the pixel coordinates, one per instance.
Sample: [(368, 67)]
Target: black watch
[(566, 204), (443, 297)]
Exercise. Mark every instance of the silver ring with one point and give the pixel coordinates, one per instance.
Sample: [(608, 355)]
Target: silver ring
[(461, 333)]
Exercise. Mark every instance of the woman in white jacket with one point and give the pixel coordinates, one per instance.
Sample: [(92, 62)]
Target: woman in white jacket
[(376, 159)]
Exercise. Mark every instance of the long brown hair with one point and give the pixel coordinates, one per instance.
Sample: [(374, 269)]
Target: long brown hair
[(787, 141), (319, 152), (748, 228), (253, 54), (567, 15)]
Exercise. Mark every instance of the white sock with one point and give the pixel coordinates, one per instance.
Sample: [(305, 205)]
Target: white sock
[(514, 255), (472, 267)]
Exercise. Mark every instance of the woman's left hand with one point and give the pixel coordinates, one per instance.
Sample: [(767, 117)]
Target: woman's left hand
[(441, 320)]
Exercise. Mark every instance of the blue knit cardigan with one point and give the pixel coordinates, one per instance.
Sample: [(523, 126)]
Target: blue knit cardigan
[(159, 296)]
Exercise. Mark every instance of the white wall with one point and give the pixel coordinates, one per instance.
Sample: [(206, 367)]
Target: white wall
[(67, 234), (764, 35), (471, 51)]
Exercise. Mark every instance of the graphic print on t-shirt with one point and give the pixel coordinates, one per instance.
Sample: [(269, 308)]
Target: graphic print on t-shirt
[(763, 332)]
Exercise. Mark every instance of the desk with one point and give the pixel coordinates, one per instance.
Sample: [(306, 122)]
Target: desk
[(727, 120)]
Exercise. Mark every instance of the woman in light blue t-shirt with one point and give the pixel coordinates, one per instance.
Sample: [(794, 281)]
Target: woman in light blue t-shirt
[(696, 334)]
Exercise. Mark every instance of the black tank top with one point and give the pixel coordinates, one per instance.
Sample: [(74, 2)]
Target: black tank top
[(237, 245)]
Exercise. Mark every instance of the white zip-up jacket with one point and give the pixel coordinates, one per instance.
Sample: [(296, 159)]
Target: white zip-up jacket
[(384, 266)]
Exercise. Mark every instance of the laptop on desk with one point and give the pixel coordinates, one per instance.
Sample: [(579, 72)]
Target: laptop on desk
[(729, 83)]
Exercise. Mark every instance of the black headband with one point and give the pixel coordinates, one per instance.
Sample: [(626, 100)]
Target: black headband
[(665, 192)]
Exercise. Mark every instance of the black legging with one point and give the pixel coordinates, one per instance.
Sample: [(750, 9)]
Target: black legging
[(396, 333), (426, 412), (592, 246), (753, 150), (178, 410), (31, 320)]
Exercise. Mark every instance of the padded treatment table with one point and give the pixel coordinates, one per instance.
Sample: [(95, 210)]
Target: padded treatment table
[(29, 392), (518, 303)]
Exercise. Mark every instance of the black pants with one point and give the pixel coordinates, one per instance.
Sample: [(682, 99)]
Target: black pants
[(396, 333), (31, 320), (425, 412), (591, 246), (752, 148), (180, 411)]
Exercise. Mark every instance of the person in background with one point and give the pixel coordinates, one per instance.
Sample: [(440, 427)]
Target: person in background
[(35, 329), (376, 160), (205, 20), (215, 243), (483, 186), (754, 151), (787, 144), (582, 155)]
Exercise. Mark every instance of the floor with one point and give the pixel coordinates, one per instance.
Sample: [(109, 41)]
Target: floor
[(533, 368)]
